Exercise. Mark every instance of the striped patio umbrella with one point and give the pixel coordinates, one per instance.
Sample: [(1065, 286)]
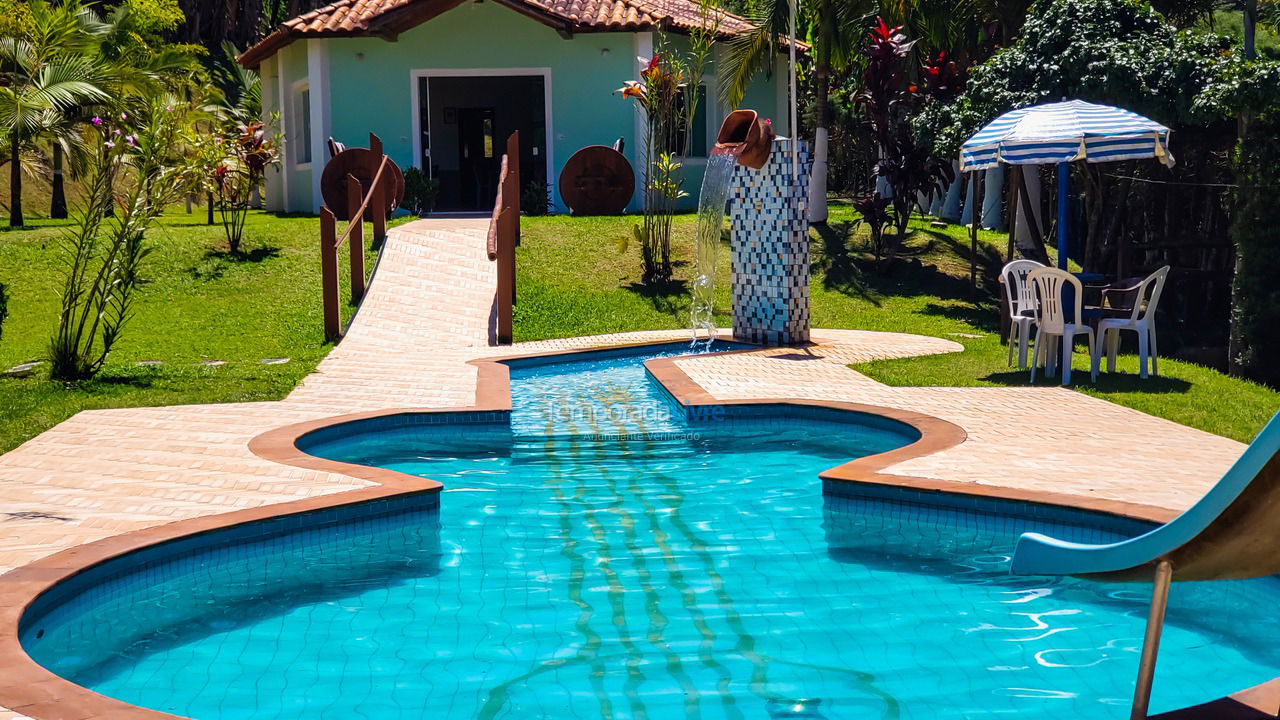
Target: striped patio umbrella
[(1060, 133)]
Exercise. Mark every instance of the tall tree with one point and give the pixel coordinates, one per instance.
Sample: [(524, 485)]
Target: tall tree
[(968, 29), (833, 28), (47, 72)]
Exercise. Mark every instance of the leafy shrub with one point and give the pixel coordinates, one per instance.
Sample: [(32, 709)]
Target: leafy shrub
[(236, 160), (1117, 52), (535, 199), (420, 192)]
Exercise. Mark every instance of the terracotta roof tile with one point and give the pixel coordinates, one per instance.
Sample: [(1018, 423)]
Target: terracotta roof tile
[(360, 17)]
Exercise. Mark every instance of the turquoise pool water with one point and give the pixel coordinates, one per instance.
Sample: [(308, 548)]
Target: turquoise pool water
[(602, 556)]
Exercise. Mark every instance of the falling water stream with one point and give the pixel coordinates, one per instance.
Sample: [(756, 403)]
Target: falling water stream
[(716, 183)]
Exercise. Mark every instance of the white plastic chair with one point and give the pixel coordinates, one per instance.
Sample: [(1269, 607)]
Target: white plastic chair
[(1053, 326), (1020, 298), (1141, 320)]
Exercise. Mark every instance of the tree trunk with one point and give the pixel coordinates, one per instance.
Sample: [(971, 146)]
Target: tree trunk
[(210, 208), (1250, 28), (822, 107), (1235, 343), (15, 184), (58, 202)]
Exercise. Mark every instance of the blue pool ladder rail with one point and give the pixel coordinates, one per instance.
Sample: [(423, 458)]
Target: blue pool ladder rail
[(1230, 533)]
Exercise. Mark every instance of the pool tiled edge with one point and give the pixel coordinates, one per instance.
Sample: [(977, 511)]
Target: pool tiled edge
[(38, 693)]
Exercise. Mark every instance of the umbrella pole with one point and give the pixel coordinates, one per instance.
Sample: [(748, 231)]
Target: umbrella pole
[(975, 217), (1064, 179)]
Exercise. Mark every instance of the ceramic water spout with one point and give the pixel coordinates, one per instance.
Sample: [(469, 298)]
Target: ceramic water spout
[(745, 134)]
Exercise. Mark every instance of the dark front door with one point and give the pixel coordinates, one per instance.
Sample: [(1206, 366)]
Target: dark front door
[(465, 125), (478, 158)]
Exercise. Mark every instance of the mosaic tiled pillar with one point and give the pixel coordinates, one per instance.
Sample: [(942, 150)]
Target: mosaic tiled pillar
[(770, 239)]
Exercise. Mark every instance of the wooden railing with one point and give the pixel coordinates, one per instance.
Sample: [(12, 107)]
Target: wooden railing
[(357, 202), (504, 235)]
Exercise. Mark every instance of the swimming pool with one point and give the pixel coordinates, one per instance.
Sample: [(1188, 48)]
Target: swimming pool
[(602, 555)]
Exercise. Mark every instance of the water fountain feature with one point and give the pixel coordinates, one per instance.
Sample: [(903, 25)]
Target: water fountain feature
[(711, 201), (769, 237), (743, 139)]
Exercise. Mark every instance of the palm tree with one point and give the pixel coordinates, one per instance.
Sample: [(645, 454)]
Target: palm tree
[(240, 88), (834, 27), (38, 92), (47, 75), (69, 150)]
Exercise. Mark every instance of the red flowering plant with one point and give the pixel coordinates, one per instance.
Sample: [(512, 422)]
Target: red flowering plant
[(237, 159), (667, 104), (658, 95), (941, 79), (889, 99)]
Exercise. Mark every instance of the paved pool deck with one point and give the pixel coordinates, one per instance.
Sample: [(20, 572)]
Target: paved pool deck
[(429, 313)]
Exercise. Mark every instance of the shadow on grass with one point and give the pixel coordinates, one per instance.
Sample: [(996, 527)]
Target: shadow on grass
[(838, 264), (666, 296), (852, 270), (216, 262), (143, 379), (1107, 382), (989, 260), (980, 316)]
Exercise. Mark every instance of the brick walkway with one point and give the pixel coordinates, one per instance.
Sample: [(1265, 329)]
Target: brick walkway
[(106, 472)]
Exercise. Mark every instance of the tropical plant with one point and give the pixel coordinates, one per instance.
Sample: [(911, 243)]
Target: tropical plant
[(48, 75), (667, 96), (235, 163), (138, 170), (831, 29), (968, 30), (890, 98), (873, 212), (239, 88)]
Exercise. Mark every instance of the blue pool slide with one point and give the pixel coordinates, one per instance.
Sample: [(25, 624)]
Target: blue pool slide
[(1232, 532)]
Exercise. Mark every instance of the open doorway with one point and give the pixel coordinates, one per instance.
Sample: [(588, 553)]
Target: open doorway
[(465, 122)]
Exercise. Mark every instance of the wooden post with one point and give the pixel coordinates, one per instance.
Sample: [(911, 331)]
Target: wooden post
[(378, 206), (355, 237), (329, 275), (506, 274), (378, 196), (513, 170)]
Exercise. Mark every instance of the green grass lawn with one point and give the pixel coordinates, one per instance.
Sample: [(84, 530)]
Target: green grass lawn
[(198, 304), (580, 276), (576, 276)]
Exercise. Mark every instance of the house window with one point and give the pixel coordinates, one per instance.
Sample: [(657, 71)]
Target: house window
[(302, 125), (698, 140)]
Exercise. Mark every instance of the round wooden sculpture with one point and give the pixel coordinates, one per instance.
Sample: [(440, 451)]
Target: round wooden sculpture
[(362, 163), (597, 180)]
